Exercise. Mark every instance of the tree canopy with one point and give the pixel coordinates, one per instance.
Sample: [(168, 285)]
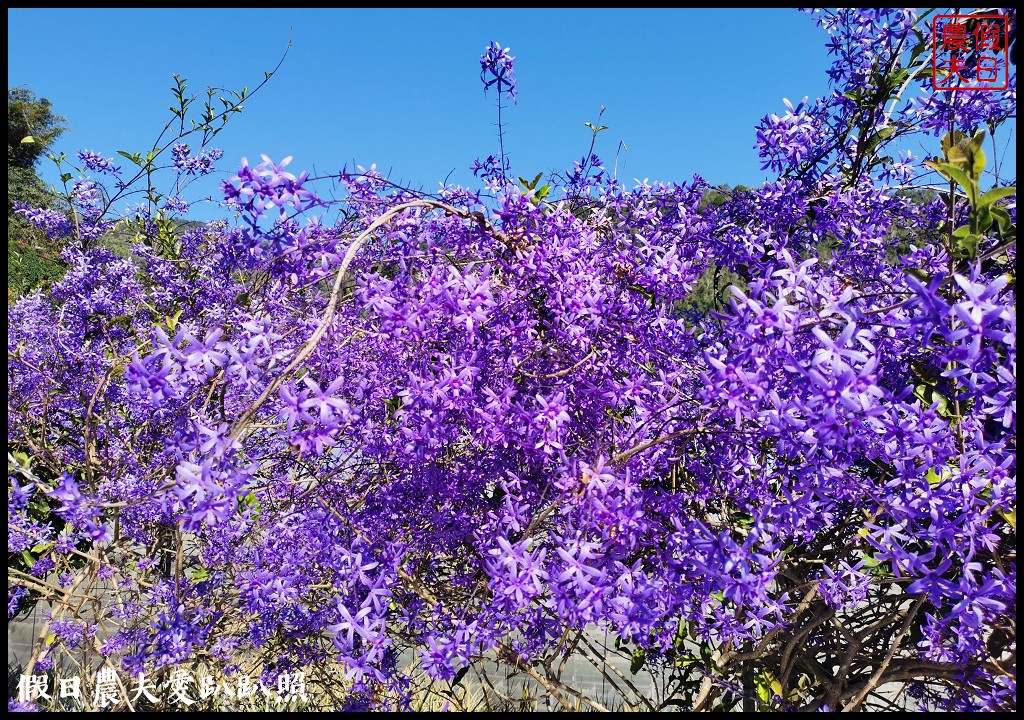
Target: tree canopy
[(32, 129)]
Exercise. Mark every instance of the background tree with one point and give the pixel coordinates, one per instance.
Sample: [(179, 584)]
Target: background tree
[(33, 260)]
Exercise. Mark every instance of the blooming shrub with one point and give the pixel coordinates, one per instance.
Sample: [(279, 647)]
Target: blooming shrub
[(477, 423)]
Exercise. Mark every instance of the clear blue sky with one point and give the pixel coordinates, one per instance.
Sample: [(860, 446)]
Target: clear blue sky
[(683, 89)]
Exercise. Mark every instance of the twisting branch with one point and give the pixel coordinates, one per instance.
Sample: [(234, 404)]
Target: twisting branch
[(325, 321)]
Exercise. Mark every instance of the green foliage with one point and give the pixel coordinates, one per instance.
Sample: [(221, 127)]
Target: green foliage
[(962, 163), (719, 195), (768, 686), (32, 128), (711, 291), (33, 260), (538, 193)]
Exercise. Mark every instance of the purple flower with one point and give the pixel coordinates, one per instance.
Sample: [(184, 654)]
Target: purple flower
[(15, 593), (97, 163), (788, 141), (176, 205), (496, 69), (631, 407), (18, 706), (201, 164), (70, 631), (55, 224)]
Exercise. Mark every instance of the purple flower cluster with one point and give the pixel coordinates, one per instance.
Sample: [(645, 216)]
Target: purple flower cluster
[(176, 206), (257, 190), (15, 594), (491, 172), (497, 70), (75, 509), (790, 140), (473, 425), (189, 164), (95, 162), (56, 225)]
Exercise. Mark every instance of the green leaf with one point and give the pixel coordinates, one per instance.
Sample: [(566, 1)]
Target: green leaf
[(681, 633), (967, 246), (965, 152), (531, 184), (917, 52), (982, 218), (977, 162), (121, 321), (459, 675), (879, 137), (898, 77), (27, 139), (251, 502), (1010, 516), (134, 157), (637, 661), (1002, 217), (976, 140), (950, 140), (996, 194), (937, 478), (957, 175), (929, 396), (767, 685), (954, 173), (171, 321), (393, 405)]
